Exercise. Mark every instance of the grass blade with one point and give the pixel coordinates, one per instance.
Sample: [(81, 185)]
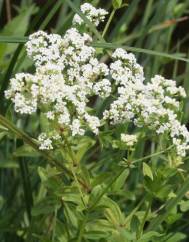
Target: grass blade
[(26, 186), (13, 39), (106, 45), (139, 50)]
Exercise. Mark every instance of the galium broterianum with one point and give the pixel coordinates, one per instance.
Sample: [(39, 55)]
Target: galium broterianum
[(69, 74)]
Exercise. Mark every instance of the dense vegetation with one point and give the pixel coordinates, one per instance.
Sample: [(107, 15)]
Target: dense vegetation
[(112, 166)]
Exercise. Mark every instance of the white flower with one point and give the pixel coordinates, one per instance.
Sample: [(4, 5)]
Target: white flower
[(93, 14), (69, 76), (23, 92), (45, 142), (93, 123), (129, 139), (76, 128), (102, 88), (153, 105), (50, 115)]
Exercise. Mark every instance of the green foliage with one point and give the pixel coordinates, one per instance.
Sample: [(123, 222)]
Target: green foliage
[(93, 188)]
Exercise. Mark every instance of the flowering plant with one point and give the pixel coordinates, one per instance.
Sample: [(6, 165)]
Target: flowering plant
[(69, 74), (95, 109)]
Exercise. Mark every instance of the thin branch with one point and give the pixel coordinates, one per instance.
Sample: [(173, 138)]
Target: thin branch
[(8, 10)]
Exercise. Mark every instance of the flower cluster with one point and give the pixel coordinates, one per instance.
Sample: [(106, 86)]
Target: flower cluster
[(46, 141), (129, 139), (94, 15), (69, 75), (153, 105)]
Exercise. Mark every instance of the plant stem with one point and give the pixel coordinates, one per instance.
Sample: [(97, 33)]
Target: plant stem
[(8, 10), (134, 210), (152, 155), (75, 163), (70, 152), (108, 23), (27, 139), (78, 186), (144, 219)]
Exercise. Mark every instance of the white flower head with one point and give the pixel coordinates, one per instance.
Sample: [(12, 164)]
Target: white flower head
[(129, 139), (95, 15), (69, 76), (45, 142)]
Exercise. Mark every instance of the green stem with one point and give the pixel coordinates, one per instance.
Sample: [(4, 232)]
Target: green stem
[(74, 164), (70, 152), (28, 140), (79, 188), (144, 219), (152, 155), (108, 23), (51, 13), (134, 210)]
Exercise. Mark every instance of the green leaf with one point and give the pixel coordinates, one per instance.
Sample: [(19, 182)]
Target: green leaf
[(96, 235), (122, 235), (113, 212), (139, 50), (149, 236), (172, 218), (135, 224), (116, 3), (147, 171), (2, 128), (13, 39), (9, 164), (184, 206), (47, 173), (16, 27), (106, 45), (71, 215), (178, 237), (119, 183), (170, 204), (42, 173), (45, 206), (2, 135), (84, 144), (26, 151), (95, 193)]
